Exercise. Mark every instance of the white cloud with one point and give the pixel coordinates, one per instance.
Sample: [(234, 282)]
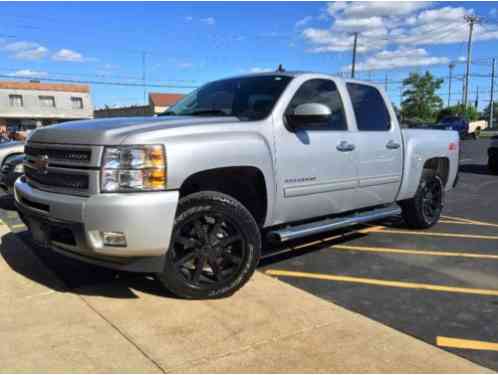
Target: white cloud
[(68, 55), (28, 73), (24, 50), (400, 58), (259, 70), (189, 18), (208, 20), (403, 26), (304, 21)]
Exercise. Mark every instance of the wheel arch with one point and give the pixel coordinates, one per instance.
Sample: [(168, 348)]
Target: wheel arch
[(245, 183)]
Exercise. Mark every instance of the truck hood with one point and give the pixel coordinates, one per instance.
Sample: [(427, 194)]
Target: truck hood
[(115, 130)]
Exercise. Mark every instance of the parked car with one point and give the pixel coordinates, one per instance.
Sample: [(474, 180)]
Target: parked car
[(190, 196), (9, 149), (11, 170), (462, 126), (493, 155)]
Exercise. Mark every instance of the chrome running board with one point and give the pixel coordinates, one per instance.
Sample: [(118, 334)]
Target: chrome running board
[(308, 229)]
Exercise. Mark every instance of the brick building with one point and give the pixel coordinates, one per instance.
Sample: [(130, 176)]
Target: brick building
[(26, 105)]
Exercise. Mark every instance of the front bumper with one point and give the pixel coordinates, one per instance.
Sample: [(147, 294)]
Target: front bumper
[(72, 225)]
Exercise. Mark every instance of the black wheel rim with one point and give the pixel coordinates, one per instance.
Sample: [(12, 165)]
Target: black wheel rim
[(208, 250), (432, 200)]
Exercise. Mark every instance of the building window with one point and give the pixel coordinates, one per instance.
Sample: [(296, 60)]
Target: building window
[(47, 101), (77, 103), (15, 101)]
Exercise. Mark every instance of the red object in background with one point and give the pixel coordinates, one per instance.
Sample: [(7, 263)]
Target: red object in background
[(452, 146)]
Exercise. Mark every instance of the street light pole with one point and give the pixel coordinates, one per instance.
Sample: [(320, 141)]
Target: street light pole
[(451, 66), (471, 20), (491, 103), (354, 54)]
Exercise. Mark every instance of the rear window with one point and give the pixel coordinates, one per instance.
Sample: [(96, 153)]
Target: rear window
[(369, 108)]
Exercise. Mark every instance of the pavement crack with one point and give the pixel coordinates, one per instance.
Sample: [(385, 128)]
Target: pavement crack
[(124, 335)]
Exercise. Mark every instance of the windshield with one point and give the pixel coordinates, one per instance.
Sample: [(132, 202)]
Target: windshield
[(248, 98)]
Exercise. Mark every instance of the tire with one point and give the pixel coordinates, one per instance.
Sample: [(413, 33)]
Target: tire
[(424, 209), (215, 247), (493, 164)]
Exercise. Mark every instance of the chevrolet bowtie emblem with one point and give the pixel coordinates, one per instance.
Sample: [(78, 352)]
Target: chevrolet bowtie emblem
[(41, 164)]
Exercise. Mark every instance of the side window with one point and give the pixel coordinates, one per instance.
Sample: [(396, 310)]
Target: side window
[(325, 92), (369, 108)]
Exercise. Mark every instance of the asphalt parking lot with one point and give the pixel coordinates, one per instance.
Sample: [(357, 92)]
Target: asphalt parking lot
[(440, 285)]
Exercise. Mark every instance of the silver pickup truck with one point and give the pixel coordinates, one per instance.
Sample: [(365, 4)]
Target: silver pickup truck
[(191, 195)]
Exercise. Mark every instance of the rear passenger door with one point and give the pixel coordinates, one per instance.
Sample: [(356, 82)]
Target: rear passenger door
[(380, 147)]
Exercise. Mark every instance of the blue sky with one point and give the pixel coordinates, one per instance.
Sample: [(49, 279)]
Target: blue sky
[(187, 44)]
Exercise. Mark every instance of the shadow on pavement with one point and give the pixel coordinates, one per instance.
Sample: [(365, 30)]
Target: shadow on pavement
[(71, 275), (476, 169)]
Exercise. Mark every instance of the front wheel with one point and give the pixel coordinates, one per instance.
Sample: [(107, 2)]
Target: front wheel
[(424, 209), (215, 247)]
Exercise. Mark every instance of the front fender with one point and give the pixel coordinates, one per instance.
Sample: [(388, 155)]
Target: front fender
[(188, 155)]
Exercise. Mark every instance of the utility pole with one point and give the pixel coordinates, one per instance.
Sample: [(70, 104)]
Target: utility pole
[(354, 53), (471, 20), (385, 83), (491, 103), (144, 76), (451, 66)]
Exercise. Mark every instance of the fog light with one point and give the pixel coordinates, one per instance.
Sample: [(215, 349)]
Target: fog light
[(114, 239)]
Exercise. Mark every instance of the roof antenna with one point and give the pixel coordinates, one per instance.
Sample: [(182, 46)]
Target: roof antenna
[(280, 68)]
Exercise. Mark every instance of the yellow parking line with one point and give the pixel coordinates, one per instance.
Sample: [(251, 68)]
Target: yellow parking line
[(414, 252), (451, 342), (455, 222), (378, 282), (16, 226), (469, 221), (435, 234)]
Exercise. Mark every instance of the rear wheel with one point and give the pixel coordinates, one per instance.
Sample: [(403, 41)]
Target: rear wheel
[(215, 247), (493, 163), (424, 209)]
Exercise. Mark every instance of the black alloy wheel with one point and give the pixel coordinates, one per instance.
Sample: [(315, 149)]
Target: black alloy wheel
[(208, 250), (432, 200), (214, 248)]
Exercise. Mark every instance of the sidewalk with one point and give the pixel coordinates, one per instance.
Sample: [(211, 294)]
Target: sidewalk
[(130, 326)]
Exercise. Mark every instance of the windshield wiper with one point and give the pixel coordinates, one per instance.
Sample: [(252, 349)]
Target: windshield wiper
[(208, 112)]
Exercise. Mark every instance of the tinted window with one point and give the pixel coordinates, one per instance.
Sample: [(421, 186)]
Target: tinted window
[(369, 108), (325, 92), (248, 98)]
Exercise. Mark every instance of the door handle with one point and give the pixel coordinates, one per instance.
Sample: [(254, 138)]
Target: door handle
[(344, 146), (391, 145)]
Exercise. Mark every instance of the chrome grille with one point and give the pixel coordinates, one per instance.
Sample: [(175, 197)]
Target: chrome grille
[(62, 168), (78, 156), (57, 179)]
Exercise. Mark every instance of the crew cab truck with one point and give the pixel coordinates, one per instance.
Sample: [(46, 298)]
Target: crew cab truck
[(190, 196)]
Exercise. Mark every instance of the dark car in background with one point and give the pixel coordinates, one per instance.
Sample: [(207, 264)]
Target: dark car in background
[(459, 124), (12, 169)]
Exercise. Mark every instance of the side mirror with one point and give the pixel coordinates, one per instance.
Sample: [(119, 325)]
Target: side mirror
[(315, 114)]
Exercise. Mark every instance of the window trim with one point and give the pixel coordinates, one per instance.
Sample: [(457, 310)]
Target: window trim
[(11, 96), (390, 120), (40, 100), (345, 116), (78, 99)]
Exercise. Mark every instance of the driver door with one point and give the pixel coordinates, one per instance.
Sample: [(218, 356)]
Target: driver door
[(316, 162)]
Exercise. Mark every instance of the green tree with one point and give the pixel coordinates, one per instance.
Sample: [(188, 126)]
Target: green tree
[(420, 100), (485, 113)]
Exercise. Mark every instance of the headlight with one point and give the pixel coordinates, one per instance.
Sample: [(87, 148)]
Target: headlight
[(19, 168), (133, 168)]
